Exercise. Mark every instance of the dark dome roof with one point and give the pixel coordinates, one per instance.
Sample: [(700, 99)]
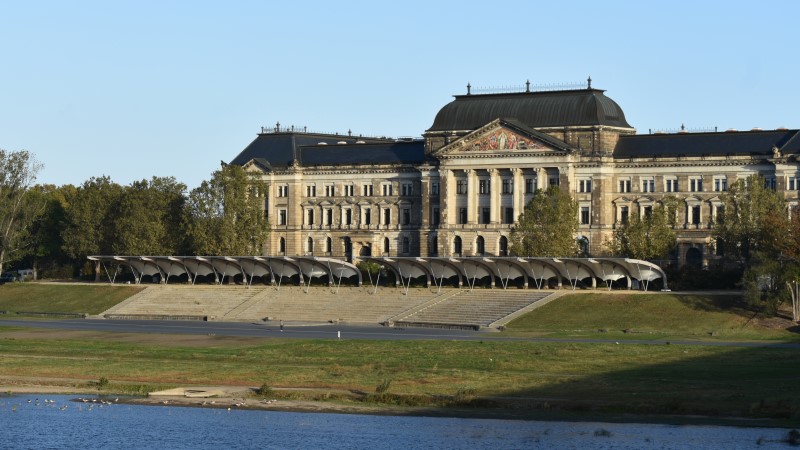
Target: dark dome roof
[(584, 107)]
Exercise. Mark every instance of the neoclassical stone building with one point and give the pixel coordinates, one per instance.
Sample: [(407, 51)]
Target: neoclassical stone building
[(459, 189)]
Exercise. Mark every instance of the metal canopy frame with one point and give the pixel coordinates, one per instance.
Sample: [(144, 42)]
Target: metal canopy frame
[(276, 267), (406, 268)]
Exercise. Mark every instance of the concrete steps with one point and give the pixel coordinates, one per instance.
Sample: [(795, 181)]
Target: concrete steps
[(418, 307)]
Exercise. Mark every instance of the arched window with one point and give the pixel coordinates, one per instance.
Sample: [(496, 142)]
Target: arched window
[(282, 246), (457, 246), (328, 245), (310, 245), (480, 247), (503, 246), (406, 246), (386, 246)]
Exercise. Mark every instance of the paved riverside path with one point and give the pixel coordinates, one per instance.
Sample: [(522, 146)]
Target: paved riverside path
[(349, 332)]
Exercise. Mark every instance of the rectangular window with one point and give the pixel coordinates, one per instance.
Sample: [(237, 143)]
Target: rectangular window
[(387, 216), (623, 214), (406, 216), (769, 183), (348, 216), (648, 184), (647, 212), (720, 184), (367, 216), (585, 185), (696, 215), (366, 190), (461, 186), (529, 186), (386, 190), (625, 185), (348, 190), (508, 186), (407, 189), (671, 184), (435, 217), (435, 188), (509, 216), (695, 184), (281, 217), (485, 215), (554, 181), (791, 184), (328, 216), (310, 217), (584, 215), (462, 215), (483, 186), (311, 191), (330, 190), (283, 191)]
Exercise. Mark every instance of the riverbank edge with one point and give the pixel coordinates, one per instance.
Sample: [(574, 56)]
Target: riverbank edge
[(254, 403)]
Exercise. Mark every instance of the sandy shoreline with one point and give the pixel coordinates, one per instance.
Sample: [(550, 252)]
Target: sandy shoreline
[(244, 402)]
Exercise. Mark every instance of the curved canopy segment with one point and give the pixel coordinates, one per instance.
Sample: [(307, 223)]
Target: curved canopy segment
[(275, 267), (507, 269)]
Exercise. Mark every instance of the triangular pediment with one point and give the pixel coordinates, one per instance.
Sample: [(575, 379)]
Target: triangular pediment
[(257, 165), (504, 137)]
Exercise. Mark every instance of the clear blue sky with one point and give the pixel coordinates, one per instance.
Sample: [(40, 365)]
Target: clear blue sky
[(170, 88)]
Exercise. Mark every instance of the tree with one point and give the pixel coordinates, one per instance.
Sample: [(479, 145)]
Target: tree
[(751, 216), (90, 219), (47, 242), (149, 218), (648, 237), (226, 214), (548, 225), (755, 232), (18, 209)]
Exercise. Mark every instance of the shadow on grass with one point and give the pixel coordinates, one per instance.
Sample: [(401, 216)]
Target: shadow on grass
[(752, 386)]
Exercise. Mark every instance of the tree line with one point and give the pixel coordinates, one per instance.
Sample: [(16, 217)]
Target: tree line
[(52, 229)]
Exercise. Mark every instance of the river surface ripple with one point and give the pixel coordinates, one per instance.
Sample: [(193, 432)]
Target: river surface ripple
[(28, 422)]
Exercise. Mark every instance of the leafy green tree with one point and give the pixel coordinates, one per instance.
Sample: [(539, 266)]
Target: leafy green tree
[(548, 225), (755, 232), (18, 207), (226, 214), (149, 218), (90, 217), (751, 216), (648, 237), (46, 250)]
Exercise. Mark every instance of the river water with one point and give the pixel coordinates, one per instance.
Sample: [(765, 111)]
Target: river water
[(27, 422)]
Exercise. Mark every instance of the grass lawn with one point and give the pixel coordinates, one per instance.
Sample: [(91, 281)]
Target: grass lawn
[(651, 316), (61, 297), (671, 379)]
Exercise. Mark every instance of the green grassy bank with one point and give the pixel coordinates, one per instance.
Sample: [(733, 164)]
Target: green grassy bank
[(653, 316), (608, 378), (62, 297), (528, 377)]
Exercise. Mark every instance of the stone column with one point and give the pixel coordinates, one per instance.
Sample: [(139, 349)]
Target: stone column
[(472, 197), (519, 191), (447, 197), (494, 196)]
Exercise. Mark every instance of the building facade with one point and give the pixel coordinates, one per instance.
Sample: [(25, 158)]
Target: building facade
[(459, 189)]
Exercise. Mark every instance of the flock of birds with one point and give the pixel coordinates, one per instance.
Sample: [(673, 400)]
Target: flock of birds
[(95, 402), (92, 402)]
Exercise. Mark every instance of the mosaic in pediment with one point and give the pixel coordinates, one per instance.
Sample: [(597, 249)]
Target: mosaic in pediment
[(503, 139)]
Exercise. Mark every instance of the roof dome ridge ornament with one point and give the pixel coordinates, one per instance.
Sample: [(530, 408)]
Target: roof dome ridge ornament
[(469, 87), (527, 85), (589, 80)]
